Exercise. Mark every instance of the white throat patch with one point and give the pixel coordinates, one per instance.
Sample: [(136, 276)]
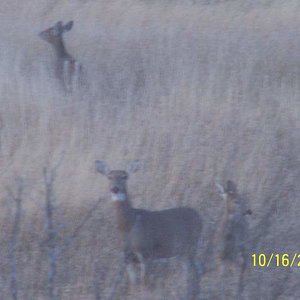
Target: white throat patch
[(224, 196), (118, 197)]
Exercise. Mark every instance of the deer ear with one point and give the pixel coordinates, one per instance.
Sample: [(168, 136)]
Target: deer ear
[(102, 167), (231, 187), (68, 26), (133, 166), (58, 25), (57, 28)]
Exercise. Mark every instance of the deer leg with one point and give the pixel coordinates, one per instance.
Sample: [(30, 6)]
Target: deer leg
[(131, 269), (241, 277), (75, 76), (143, 274), (143, 269), (192, 277), (221, 271), (117, 281), (200, 268), (132, 274), (66, 76)]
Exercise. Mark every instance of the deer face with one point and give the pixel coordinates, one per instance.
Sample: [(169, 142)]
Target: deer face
[(117, 184), (117, 178), (53, 35), (229, 194)]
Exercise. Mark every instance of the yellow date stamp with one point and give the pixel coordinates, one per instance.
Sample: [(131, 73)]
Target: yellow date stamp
[(285, 260)]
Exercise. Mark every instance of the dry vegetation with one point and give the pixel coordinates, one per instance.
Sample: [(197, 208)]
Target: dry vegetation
[(197, 92)]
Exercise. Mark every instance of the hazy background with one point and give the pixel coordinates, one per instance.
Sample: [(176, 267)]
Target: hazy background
[(198, 92)]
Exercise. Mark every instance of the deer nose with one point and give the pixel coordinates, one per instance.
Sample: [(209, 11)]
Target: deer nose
[(115, 190)]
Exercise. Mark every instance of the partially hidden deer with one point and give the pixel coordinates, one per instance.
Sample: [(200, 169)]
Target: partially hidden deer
[(233, 235), (67, 70), (150, 235)]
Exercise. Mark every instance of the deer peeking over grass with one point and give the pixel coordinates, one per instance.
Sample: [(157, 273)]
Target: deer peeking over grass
[(150, 235), (67, 70), (233, 235)]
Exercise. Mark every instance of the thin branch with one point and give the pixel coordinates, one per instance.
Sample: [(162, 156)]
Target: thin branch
[(14, 238), (49, 177), (54, 251), (74, 235)]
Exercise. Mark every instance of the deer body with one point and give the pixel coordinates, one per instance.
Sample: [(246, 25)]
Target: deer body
[(166, 233), (150, 235), (67, 69)]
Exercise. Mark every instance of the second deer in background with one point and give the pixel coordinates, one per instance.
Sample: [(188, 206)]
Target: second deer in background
[(233, 235), (67, 69)]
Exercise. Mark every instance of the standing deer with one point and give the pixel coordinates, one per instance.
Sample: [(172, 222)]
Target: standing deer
[(150, 235), (67, 69), (233, 234)]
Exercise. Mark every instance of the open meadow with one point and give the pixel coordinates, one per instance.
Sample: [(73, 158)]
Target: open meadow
[(199, 92)]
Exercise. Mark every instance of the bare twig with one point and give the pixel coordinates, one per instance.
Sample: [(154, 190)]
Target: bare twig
[(49, 177), (14, 237), (54, 250), (98, 278), (1, 133), (76, 231)]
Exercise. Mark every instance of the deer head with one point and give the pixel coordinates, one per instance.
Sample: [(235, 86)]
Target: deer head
[(117, 178), (53, 35)]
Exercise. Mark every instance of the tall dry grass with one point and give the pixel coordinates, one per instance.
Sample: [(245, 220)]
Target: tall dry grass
[(198, 93)]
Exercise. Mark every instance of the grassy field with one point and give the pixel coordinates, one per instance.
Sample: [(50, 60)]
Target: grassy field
[(199, 93)]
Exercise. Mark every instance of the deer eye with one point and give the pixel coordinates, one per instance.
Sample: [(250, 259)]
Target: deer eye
[(54, 31)]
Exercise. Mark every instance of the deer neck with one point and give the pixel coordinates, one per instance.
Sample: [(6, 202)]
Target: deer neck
[(227, 214), (124, 215), (60, 50)]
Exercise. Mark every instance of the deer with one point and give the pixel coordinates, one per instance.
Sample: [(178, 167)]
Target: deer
[(151, 235), (67, 70), (233, 234)]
